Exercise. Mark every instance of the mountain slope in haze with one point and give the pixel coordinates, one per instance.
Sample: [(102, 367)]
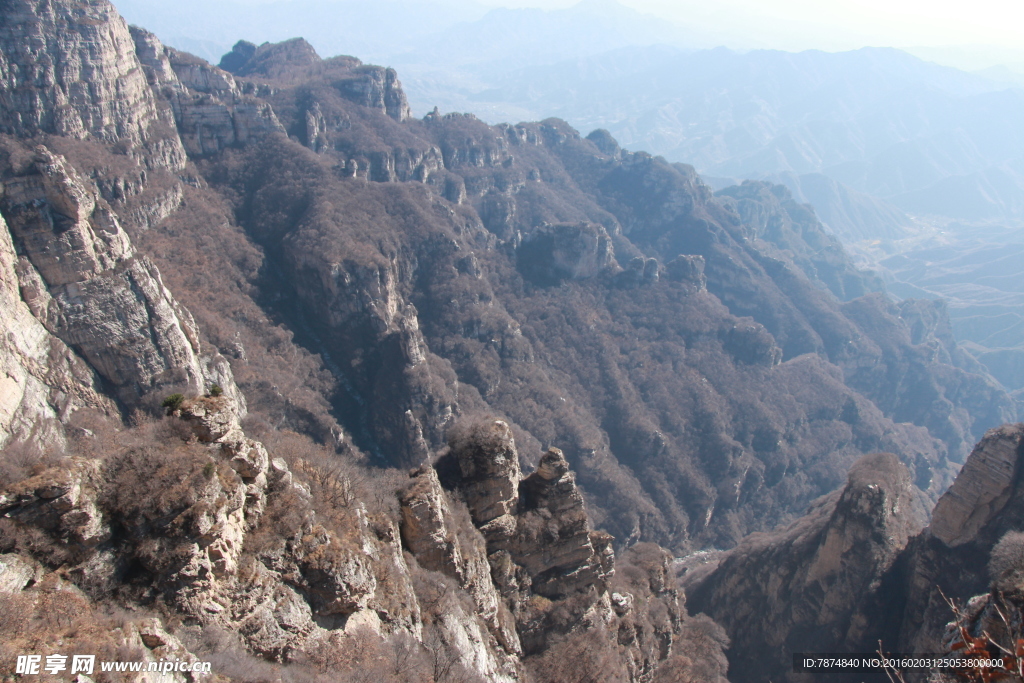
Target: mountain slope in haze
[(878, 120), (562, 217), (975, 268), (930, 139), (441, 265), (849, 215)]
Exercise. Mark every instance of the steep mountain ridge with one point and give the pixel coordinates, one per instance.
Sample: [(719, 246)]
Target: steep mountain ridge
[(930, 139), (885, 579), (816, 585), (449, 198), (217, 363)]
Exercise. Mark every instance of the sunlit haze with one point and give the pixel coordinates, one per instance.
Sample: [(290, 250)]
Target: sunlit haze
[(970, 36), (842, 24)]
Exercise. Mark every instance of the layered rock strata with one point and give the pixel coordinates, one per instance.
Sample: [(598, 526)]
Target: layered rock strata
[(538, 536), (42, 381), (948, 559), (815, 586), (430, 531), (84, 281), (853, 572), (73, 71)]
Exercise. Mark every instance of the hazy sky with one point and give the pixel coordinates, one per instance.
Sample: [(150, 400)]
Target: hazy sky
[(827, 24), (993, 29), (843, 24), (989, 32)]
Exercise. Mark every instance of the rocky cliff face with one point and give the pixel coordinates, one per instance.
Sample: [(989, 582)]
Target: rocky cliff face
[(73, 71), (981, 506), (854, 571), (83, 280), (667, 365), (814, 586), (538, 537), (44, 382), (106, 96), (77, 269), (211, 111)]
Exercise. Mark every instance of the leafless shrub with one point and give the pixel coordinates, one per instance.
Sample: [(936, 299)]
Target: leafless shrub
[(434, 591), (1006, 562), (25, 459), (590, 656)]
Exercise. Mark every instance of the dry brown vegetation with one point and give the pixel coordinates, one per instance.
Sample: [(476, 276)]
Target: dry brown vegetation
[(360, 314), (54, 617)]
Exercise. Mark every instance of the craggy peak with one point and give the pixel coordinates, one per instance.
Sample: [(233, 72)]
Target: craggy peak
[(296, 385)]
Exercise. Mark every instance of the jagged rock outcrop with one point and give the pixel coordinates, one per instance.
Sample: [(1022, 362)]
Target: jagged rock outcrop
[(981, 490), (639, 271), (42, 381), (73, 71), (192, 555), (316, 129), (273, 59), (539, 540), (378, 88), (535, 570), (17, 573), (749, 342), (427, 527), (210, 109), (994, 619), (688, 268), (430, 531), (63, 503), (489, 476), (554, 543), (241, 52), (181, 517), (370, 86), (814, 586), (214, 420), (949, 557), (553, 253), (84, 281)]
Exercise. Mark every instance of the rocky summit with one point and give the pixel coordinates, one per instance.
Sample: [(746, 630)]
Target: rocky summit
[(301, 386)]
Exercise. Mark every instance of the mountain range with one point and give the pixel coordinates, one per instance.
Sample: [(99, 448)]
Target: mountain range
[(306, 386)]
